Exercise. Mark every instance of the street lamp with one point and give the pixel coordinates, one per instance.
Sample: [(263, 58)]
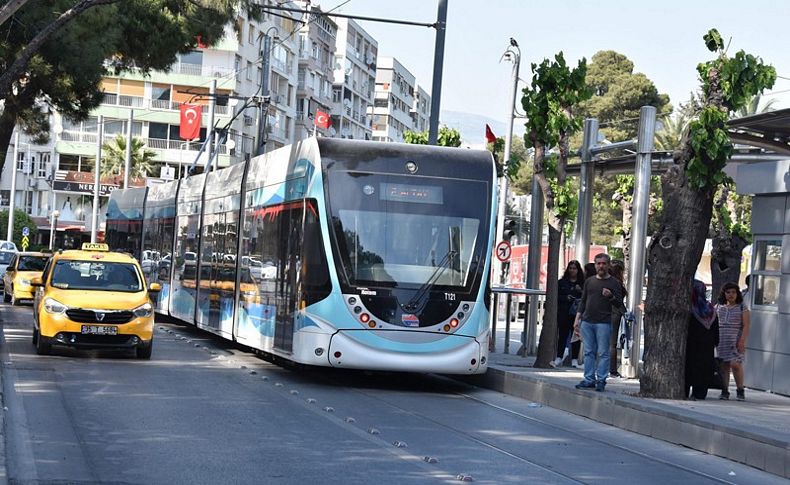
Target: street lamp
[(263, 89), (53, 224)]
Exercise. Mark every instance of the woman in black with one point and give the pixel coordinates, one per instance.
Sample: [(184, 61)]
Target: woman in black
[(703, 336), (617, 269), (569, 291)]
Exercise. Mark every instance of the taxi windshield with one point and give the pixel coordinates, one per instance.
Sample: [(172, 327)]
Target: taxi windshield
[(97, 276), (31, 263)]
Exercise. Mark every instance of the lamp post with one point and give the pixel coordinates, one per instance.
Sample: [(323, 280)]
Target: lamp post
[(263, 89), (53, 224)]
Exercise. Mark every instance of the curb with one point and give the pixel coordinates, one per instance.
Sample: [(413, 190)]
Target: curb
[(3, 469), (648, 418)]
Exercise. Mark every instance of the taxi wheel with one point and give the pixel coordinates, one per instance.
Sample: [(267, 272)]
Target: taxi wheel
[(43, 346), (144, 350)]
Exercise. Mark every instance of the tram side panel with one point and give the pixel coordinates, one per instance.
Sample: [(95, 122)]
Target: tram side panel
[(218, 261), (124, 226), (183, 298), (158, 233)]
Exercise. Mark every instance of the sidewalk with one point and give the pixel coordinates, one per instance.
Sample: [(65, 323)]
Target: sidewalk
[(755, 432)]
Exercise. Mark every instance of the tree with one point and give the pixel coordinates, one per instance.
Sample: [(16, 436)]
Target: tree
[(549, 103), (65, 72), (21, 219), (114, 159), (689, 188), (448, 137)]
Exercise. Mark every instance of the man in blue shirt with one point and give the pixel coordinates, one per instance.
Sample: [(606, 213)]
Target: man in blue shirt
[(594, 320)]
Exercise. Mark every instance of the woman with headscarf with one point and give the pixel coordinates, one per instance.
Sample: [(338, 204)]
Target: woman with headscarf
[(703, 337)]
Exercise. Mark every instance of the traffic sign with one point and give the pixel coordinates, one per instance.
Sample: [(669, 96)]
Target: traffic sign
[(25, 243), (25, 231), (503, 251)]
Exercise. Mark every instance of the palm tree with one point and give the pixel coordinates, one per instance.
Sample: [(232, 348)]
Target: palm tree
[(753, 107), (114, 157), (669, 136)]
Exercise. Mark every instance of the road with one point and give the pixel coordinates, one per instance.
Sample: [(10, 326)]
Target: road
[(204, 411)]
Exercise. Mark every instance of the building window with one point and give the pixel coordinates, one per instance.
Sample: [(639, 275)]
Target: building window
[(249, 71), (766, 270)]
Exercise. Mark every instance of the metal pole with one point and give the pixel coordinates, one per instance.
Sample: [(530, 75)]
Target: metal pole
[(529, 341), (586, 179), (260, 147), (438, 63), (127, 168), (212, 101), (11, 204), (53, 227), (513, 53), (647, 129), (97, 180)]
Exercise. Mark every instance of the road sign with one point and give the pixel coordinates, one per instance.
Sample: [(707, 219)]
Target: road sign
[(503, 251), (25, 242), (25, 231)]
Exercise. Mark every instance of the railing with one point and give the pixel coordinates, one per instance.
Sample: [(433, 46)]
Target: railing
[(509, 292), (156, 104)]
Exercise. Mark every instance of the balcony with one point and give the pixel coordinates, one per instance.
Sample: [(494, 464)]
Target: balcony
[(111, 99)]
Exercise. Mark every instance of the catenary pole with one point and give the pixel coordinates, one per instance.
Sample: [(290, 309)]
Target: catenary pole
[(97, 180), (11, 199), (438, 63), (127, 167)]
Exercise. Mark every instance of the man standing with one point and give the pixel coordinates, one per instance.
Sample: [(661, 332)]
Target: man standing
[(600, 295)]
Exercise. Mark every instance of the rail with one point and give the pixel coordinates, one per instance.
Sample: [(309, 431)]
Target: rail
[(509, 292)]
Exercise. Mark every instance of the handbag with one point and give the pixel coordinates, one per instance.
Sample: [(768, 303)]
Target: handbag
[(574, 307)]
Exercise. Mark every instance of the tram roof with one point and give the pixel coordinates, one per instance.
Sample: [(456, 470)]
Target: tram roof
[(770, 130)]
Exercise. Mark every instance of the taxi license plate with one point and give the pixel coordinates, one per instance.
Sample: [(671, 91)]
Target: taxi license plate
[(99, 330)]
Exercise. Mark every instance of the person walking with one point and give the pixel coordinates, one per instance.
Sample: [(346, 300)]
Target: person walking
[(617, 270), (734, 322), (569, 293), (600, 295), (703, 337)]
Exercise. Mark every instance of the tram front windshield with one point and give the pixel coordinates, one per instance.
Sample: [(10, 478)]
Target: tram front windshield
[(396, 231)]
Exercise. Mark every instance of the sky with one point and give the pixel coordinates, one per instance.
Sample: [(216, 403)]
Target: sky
[(663, 39)]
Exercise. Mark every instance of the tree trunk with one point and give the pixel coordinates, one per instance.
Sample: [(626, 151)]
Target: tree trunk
[(673, 257), (725, 260), (547, 346)]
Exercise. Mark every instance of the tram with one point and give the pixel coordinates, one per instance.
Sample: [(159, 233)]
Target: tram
[(328, 252)]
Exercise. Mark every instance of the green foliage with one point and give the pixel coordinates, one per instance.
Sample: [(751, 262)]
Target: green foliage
[(447, 137), (618, 95), (21, 219), (566, 197), (728, 84), (114, 157)]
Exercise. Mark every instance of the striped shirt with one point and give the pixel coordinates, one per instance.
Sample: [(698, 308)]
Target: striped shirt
[(730, 330)]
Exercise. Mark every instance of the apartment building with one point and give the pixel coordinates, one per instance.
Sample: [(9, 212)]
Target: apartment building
[(317, 38), (394, 100), (58, 175), (356, 53), (421, 110)]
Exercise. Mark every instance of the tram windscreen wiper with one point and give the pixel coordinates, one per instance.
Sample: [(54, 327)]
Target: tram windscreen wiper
[(444, 263)]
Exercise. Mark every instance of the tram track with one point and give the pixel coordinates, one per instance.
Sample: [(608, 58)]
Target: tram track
[(447, 386)]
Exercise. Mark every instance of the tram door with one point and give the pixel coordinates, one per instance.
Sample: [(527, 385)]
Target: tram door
[(288, 268)]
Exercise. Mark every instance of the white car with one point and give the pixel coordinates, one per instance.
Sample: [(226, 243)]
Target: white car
[(5, 258), (8, 246)]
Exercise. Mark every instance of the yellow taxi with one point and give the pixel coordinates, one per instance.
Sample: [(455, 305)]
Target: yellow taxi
[(93, 298), (21, 269)]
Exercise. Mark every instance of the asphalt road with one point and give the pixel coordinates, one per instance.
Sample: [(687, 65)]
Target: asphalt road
[(204, 411)]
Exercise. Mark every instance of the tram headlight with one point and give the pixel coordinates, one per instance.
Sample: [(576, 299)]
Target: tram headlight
[(364, 318), (453, 322)]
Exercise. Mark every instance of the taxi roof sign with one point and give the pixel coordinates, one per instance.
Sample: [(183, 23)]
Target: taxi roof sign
[(95, 247)]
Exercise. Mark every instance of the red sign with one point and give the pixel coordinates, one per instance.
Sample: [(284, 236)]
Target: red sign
[(322, 120), (518, 262), (190, 122), (503, 251)]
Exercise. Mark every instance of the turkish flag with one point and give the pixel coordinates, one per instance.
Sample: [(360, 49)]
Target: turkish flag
[(322, 120), (490, 136), (190, 122)]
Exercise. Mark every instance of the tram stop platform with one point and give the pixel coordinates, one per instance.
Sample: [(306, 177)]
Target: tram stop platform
[(755, 432)]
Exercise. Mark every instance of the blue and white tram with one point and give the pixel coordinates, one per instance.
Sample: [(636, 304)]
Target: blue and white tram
[(332, 252)]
